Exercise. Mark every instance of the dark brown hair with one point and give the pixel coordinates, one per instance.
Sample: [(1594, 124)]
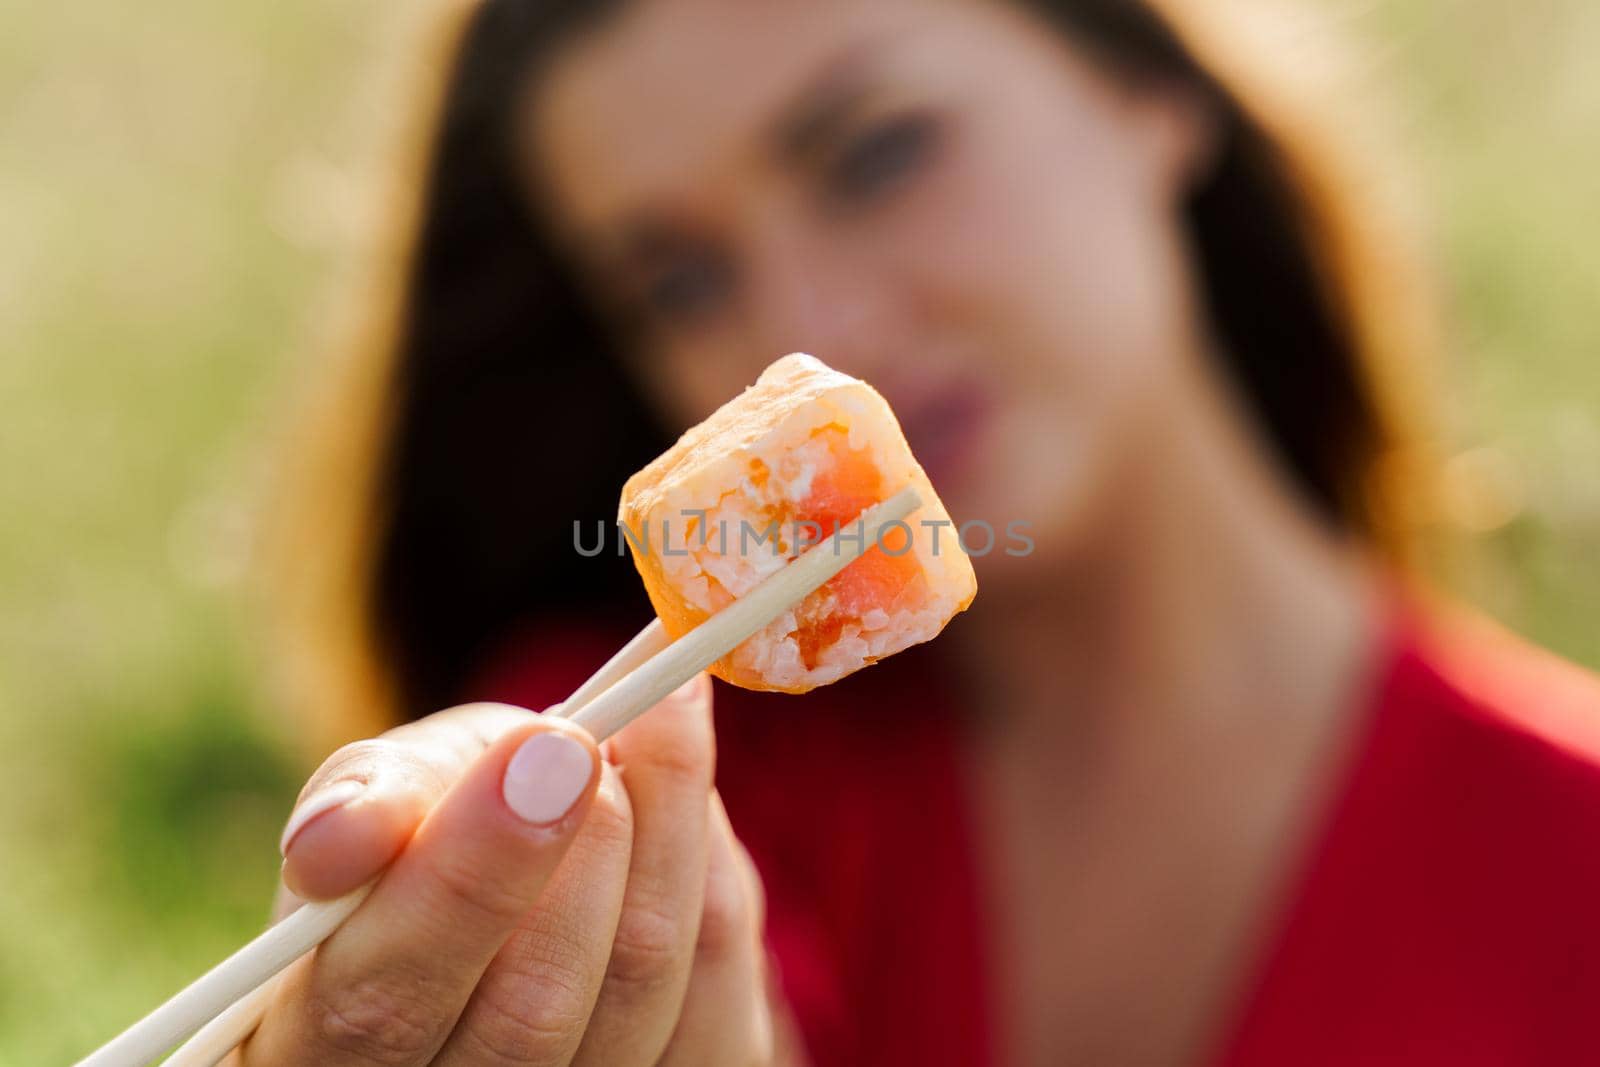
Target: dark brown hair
[(498, 411)]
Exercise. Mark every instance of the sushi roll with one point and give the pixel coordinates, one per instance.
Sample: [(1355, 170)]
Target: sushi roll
[(792, 460)]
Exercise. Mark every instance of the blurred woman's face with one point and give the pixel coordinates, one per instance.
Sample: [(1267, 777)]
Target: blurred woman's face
[(944, 197)]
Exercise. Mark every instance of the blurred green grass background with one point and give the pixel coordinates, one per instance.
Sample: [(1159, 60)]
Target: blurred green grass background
[(179, 183)]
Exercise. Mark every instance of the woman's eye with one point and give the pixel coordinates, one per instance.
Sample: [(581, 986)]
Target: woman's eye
[(881, 157), (687, 290)]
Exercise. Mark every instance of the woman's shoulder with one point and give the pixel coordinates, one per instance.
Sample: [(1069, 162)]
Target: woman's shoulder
[(1447, 911), (1482, 670), (1472, 715), (1486, 748)]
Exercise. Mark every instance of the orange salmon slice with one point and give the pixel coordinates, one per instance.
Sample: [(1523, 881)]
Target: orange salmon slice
[(809, 449)]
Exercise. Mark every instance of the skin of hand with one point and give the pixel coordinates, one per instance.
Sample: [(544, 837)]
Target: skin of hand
[(543, 901)]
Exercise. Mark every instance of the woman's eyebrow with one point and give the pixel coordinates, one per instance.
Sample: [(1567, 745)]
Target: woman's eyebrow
[(819, 109), (814, 114)]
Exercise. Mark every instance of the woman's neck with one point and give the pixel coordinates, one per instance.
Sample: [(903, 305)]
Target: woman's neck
[(1212, 607), (1157, 727)]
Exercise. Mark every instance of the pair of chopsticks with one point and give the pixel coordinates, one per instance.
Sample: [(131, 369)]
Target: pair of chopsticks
[(224, 1006)]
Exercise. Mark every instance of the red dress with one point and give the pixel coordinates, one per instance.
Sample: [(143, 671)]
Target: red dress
[(1445, 912)]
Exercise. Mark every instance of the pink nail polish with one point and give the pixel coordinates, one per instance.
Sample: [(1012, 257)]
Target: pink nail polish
[(321, 802), (546, 777)]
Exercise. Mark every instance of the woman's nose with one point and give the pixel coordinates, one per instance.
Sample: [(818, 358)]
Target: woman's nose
[(806, 296)]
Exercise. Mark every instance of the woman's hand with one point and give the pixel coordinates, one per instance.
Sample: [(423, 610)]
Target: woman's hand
[(542, 904)]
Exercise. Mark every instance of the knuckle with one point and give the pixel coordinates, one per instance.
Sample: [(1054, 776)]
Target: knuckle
[(650, 948), (361, 753), (535, 1007), (377, 1022), (682, 755), (357, 757), (537, 1019), (725, 920), (478, 890), (552, 958), (754, 886)]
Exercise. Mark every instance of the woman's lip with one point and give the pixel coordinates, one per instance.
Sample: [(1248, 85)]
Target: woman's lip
[(942, 429)]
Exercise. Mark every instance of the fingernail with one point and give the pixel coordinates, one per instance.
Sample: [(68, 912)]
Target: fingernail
[(321, 803), (546, 777)]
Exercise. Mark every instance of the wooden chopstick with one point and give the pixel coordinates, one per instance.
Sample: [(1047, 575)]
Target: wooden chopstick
[(224, 1005), (645, 644)]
